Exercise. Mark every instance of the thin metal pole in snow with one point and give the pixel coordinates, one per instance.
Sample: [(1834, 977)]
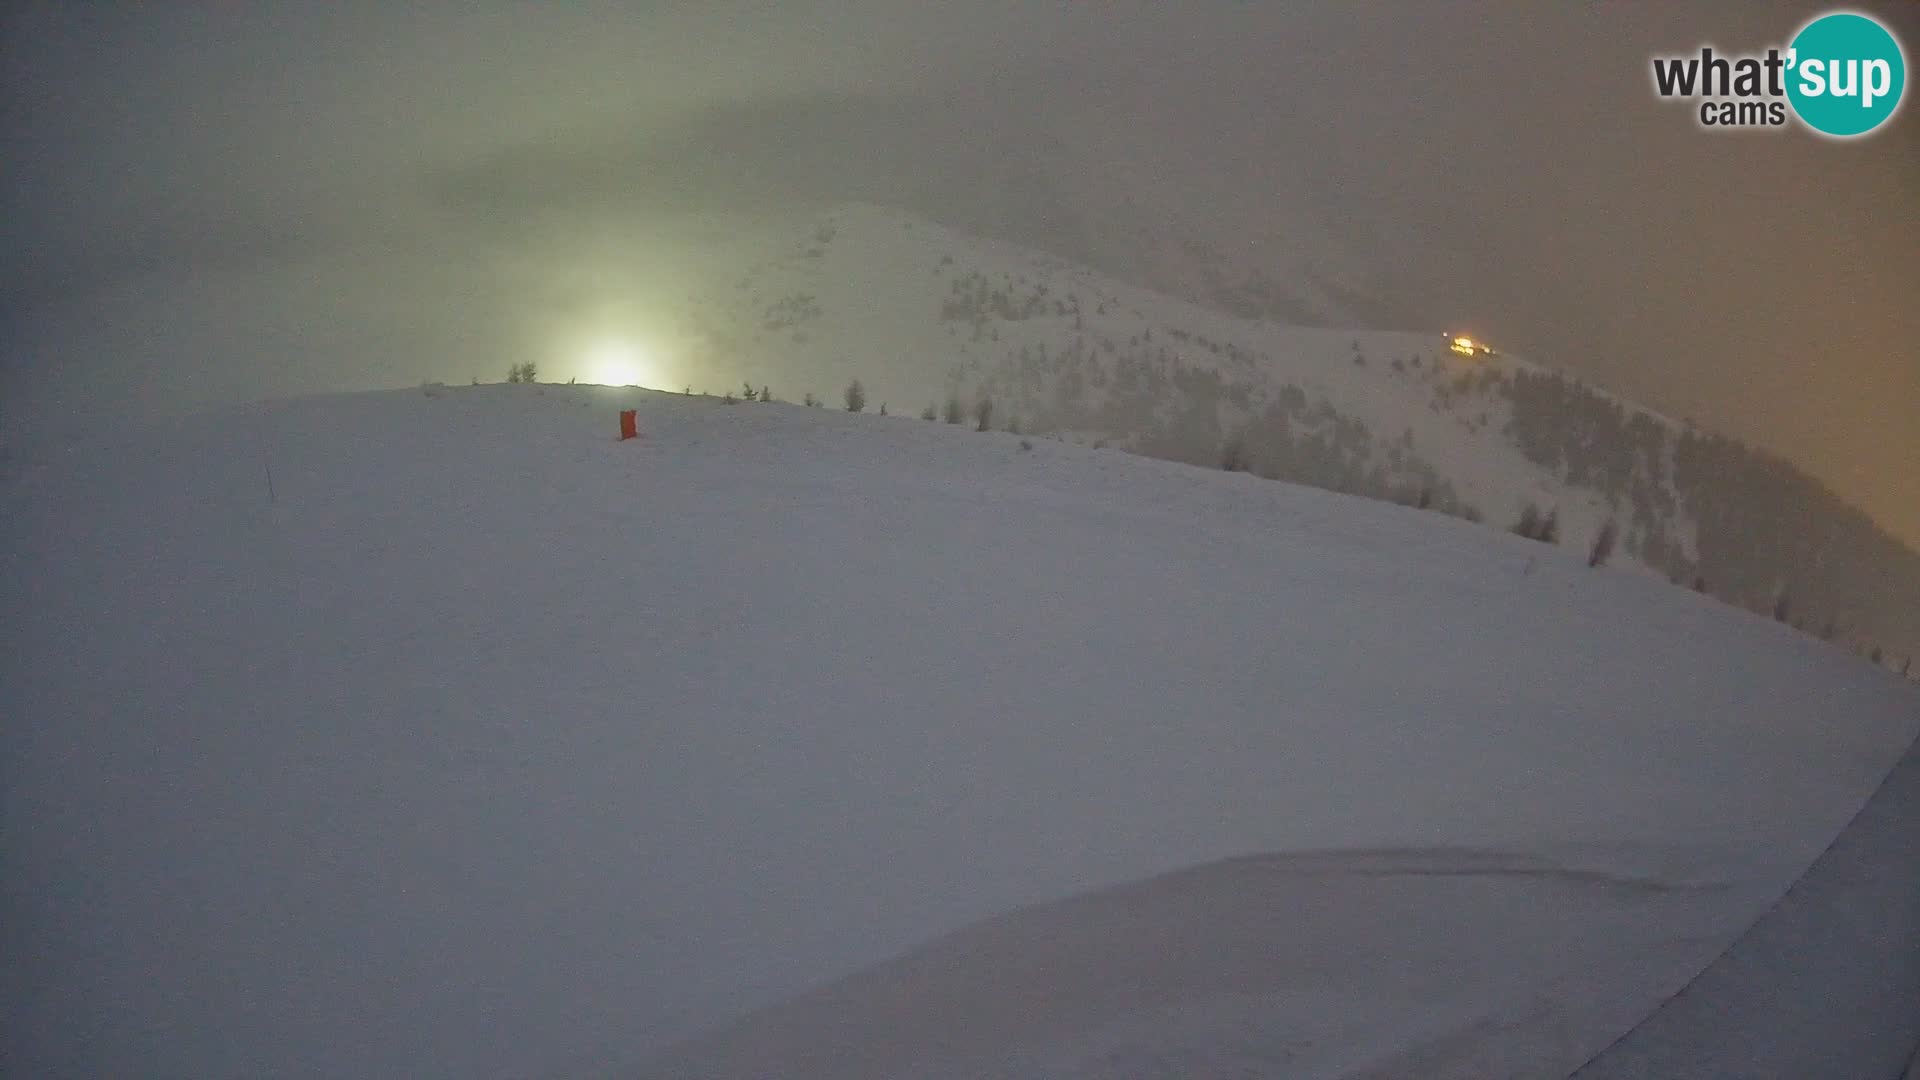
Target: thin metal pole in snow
[(264, 463)]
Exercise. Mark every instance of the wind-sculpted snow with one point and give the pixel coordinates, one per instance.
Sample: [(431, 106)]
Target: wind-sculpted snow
[(1427, 963), (1827, 983), (442, 734)]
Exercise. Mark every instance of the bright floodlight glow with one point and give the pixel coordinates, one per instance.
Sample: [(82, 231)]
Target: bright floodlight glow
[(616, 363)]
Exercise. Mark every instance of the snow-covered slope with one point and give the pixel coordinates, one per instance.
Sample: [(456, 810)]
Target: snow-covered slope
[(918, 311), (923, 314), (1430, 963), (439, 734)]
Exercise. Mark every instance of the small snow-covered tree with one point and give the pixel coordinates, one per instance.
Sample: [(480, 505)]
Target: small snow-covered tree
[(983, 412), (930, 413), (1233, 455), (747, 391), (765, 394), (856, 396), (1603, 545), (1529, 523), (956, 412)]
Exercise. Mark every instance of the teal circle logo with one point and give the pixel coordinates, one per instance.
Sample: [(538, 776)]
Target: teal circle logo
[(1846, 74)]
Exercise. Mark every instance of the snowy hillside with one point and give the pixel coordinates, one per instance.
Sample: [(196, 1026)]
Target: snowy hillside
[(437, 733), (920, 312), (925, 314)]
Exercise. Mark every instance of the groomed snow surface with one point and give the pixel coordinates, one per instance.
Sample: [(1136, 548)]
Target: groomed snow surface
[(787, 742)]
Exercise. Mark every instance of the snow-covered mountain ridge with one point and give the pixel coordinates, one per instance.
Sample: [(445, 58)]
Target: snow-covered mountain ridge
[(923, 314)]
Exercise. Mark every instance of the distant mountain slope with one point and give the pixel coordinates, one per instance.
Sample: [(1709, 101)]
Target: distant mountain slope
[(922, 313)]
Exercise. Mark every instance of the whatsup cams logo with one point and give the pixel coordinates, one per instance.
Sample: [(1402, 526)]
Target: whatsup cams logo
[(1841, 75)]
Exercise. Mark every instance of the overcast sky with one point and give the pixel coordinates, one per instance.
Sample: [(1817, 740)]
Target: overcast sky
[(213, 201)]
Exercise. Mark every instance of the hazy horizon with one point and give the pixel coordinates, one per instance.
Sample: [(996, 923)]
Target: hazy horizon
[(216, 205)]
